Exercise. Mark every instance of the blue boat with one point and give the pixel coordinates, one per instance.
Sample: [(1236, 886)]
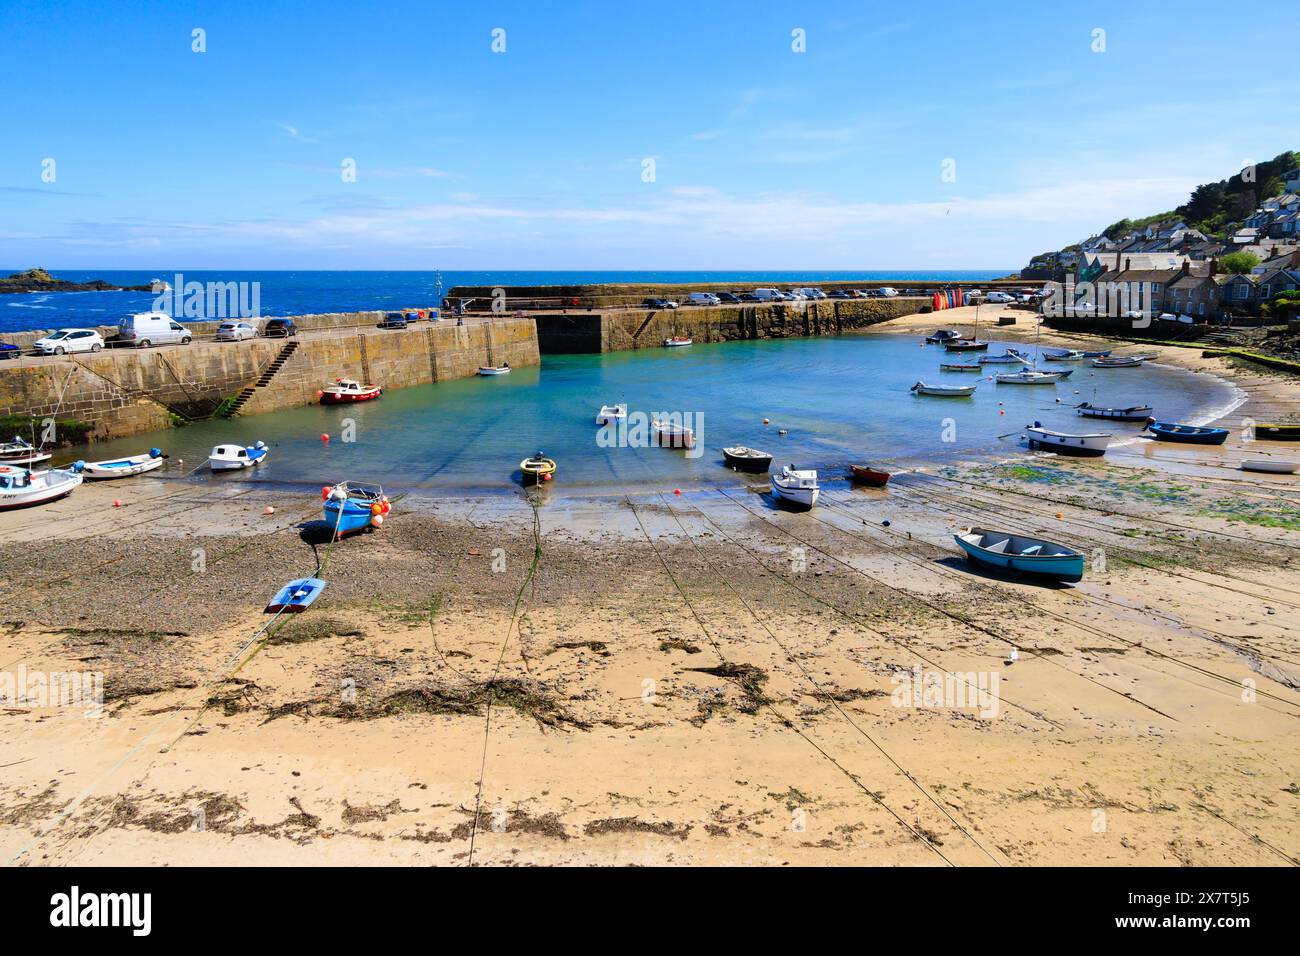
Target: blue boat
[(1105, 354), (998, 549), (1187, 434), (296, 596), (350, 508)]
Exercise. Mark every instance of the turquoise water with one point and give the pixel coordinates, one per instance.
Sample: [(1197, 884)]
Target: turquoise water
[(840, 400)]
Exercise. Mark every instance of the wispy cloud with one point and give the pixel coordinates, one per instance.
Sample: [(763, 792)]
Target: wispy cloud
[(295, 133)]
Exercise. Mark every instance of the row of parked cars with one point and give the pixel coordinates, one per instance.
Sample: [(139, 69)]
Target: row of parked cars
[(146, 329), (768, 295)]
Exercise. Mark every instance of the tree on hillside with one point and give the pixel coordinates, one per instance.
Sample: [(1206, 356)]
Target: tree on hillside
[(1238, 263), (1117, 229)]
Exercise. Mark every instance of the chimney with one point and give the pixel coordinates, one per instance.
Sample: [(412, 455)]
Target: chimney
[(1187, 267)]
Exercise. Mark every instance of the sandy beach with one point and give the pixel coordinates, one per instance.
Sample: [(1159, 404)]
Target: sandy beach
[(695, 679)]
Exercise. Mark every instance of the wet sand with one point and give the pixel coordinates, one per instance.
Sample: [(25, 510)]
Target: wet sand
[(661, 679)]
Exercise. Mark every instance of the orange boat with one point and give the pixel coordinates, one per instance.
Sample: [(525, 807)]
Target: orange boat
[(869, 476)]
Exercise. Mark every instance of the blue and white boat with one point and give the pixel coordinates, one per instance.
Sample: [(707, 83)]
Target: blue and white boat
[(120, 467), (350, 508), (232, 457), (20, 487), (1187, 434), (296, 596), (1014, 552)]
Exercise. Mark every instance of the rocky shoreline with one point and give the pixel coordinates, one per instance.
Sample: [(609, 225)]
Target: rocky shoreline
[(38, 280)]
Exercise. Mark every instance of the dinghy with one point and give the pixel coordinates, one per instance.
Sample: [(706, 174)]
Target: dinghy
[(1275, 466), (1275, 431), (746, 459), (1186, 434), (1086, 444), (866, 475), (296, 596), (945, 391), (678, 341), (1029, 377), (346, 390), (965, 345), (233, 457), (1116, 362), (20, 487), (1105, 354), (939, 336), (120, 467), (1063, 355), (19, 452), (795, 486), (350, 508), (959, 367), (671, 435), (1133, 413), (611, 414), (537, 469), (503, 369), (998, 549), (1007, 358)]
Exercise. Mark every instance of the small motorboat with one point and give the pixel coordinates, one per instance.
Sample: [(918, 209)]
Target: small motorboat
[(795, 486), (1275, 431), (866, 475), (346, 390), (997, 549), (671, 435), (1133, 413), (1120, 361), (611, 414), (1275, 466), (959, 367), (350, 508), (502, 369), (1063, 355), (939, 336), (945, 391), (537, 469), (120, 467), (965, 345), (1187, 434), (19, 452), (1086, 444), (1029, 377), (678, 341), (1006, 358), (1105, 354), (746, 459), (232, 457), (296, 596), (20, 487)]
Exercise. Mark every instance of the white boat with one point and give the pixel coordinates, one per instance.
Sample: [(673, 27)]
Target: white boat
[(1133, 413), (1118, 361), (19, 452), (611, 414), (1087, 444), (671, 435), (1275, 466), (20, 487), (503, 369), (121, 467), (946, 391), (1007, 358), (232, 457), (1064, 355), (678, 341), (1029, 377), (797, 487)]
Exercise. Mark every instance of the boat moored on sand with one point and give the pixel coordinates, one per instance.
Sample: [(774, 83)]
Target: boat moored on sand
[(296, 596), (1274, 466), (351, 507), (20, 487), (866, 475), (998, 549), (537, 469), (1276, 431), (1084, 445), (798, 487), (1186, 434), (120, 467)]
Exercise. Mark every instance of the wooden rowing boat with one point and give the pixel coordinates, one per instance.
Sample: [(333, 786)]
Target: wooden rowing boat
[(866, 475), (998, 549)]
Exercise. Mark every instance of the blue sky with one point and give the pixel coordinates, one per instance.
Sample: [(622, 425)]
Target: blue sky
[(535, 157)]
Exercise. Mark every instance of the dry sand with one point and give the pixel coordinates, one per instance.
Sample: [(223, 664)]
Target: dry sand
[(696, 680)]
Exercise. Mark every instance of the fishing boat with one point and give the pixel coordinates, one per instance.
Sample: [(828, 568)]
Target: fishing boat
[(20, 487), (944, 391), (346, 390), (746, 459), (1187, 434), (19, 452), (671, 435), (502, 369), (1103, 354), (120, 467), (795, 486), (1275, 466), (350, 508), (1133, 413), (1120, 361), (678, 341), (611, 414), (866, 475), (1274, 431), (296, 596), (940, 336), (233, 457), (1028, 377), (965, 345), (1085, 444), (998, 549), (537, 469), (959, 367), (1006, 358), (1063, 355)]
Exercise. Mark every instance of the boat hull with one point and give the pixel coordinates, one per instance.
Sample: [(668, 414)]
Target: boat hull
[(939, 391), (747, 463), (296, 596), (1187, 435), (484, 370), (869, 476), (1063, 567), (122, 468), (1135, 413), (1081, 446), (346, 398), (42, 493), (966, 346), (1272, 432), (799, 497), (1270, 466), (355, 516)]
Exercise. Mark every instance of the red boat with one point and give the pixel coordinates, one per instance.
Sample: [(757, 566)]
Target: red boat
[(869, 476), (346, 390)]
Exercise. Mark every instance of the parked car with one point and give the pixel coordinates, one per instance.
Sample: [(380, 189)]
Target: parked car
[(703, 298), (235, 332), (8, 351), (888, 292), (144, 329), (279, 328), (768, 295), (997, 297), (69, 340), (659, 303), (747, 297), (393, 320), (840, 294), (730, 298)]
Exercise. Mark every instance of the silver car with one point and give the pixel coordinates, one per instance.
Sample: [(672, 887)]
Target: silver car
[(235, 332)]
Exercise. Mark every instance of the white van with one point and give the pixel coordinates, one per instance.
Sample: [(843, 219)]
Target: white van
[(703, 298), (144, 329), (888, 292), (768, 295)]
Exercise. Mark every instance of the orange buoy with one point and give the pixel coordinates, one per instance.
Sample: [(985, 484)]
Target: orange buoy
[(767, 421), (376, 509), (677, 492), (325, 439), (324, 492), (117, 502), (269, 510)]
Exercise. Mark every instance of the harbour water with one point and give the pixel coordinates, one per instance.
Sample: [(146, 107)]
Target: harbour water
[(838, 400)]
